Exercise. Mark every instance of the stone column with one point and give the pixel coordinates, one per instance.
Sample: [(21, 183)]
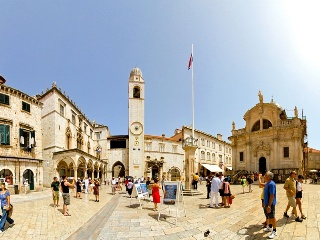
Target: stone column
[(75, 169), (189, 160)]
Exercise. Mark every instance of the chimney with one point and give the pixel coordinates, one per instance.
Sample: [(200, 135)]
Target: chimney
[(219, 136)]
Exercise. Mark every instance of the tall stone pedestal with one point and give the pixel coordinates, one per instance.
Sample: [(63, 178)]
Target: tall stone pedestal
[(189, 164)]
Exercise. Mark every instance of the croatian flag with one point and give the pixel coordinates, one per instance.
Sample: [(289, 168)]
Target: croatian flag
[(190, 61)]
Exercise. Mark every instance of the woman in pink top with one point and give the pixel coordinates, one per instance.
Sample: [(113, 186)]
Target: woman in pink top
[(226, 193)]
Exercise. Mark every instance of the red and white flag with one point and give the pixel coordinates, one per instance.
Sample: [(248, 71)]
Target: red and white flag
[(190, 61)]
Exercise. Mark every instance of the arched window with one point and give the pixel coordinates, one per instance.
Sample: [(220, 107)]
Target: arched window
[(202, 155), (208, 156), (136, 92), (213, 157), (256, 126), (266, 124)]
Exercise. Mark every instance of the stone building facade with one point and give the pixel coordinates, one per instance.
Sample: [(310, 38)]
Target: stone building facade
[(213, 154), (72, 145), (313, 156), (270, 140), (20, 139)]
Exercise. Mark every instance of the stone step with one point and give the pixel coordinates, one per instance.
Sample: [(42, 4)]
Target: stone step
[(191, 192)]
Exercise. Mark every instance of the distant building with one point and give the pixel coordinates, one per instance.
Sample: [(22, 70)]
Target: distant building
[(212, 154), (270, 139), (313, 156), (20, 138)]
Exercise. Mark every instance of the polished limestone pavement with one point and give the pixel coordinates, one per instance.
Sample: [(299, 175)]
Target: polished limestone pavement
[(119, 217)]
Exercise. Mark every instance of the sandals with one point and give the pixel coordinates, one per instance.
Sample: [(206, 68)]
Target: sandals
[(67, 215)]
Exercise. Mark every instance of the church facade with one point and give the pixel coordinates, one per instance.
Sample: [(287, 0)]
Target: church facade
[(271, 140)]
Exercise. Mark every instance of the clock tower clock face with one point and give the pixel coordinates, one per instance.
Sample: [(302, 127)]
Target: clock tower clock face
[(136, 128)]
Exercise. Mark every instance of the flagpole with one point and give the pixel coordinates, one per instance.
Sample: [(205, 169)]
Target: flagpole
[(192, 96)]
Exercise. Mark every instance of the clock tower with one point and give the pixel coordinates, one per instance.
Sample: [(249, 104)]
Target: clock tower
[(136, 123)]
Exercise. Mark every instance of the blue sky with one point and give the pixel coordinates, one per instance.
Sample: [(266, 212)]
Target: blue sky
[(240, 47)]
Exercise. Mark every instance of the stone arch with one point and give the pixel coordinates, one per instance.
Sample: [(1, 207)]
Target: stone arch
[(7, 174), (65, 166), (96, 169), (118, 169), (28, 174), (256, 126), (81, 168), (174, 173), (90, 168)]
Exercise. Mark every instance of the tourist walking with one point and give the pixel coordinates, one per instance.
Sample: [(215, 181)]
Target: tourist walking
[(79, 185), (55, 191), (5, 207), (299, 195), (156, 194), (290, 187), (129, 187), (195, 181), (64, 188), (270, 200), (208, 186), (215, 184), (226, 193), (96, 190), (249, 182), (243, 183)]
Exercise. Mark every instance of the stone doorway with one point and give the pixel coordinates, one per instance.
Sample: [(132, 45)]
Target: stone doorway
[(155, 172), (262, 165)]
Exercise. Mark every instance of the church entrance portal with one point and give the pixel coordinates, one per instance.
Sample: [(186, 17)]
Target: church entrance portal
[(118, 170), (155, 172), (262, 165)]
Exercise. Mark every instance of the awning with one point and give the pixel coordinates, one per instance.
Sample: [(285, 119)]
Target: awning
[(212, 167), (229, 168)]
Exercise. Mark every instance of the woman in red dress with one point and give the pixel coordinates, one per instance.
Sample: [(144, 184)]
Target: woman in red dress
[(156, 194)]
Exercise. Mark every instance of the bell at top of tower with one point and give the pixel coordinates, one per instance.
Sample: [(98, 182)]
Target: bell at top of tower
[(136, 71)]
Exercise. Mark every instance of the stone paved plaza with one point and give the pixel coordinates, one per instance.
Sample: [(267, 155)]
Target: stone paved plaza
[(114, 218)]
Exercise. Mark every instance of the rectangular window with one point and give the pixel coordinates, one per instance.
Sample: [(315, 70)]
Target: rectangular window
[(286, 152), (85, 128), (98, 135), (4, 134), (174, 149), (148, 146), (208, 143), (161, 147), (213, 145), (61, 110), (241, 157), (91, 133), (25, 106), (73, 119), (220, 148), (4, 99), (27, 139)]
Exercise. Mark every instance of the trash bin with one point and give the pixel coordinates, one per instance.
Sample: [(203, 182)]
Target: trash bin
[(16, 189)]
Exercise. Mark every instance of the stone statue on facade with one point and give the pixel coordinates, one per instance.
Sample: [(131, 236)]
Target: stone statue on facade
[(295, 112), (260, 97), (233, 126)]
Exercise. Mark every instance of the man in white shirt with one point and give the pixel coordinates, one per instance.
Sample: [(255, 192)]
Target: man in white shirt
[(215, 186)]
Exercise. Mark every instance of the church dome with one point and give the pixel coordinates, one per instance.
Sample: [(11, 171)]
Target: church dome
[(136, 71)]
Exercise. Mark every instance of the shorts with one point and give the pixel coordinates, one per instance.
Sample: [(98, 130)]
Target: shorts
[(299, 194), (66, 198), (55, 195), (271, 214), (292, 201)]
